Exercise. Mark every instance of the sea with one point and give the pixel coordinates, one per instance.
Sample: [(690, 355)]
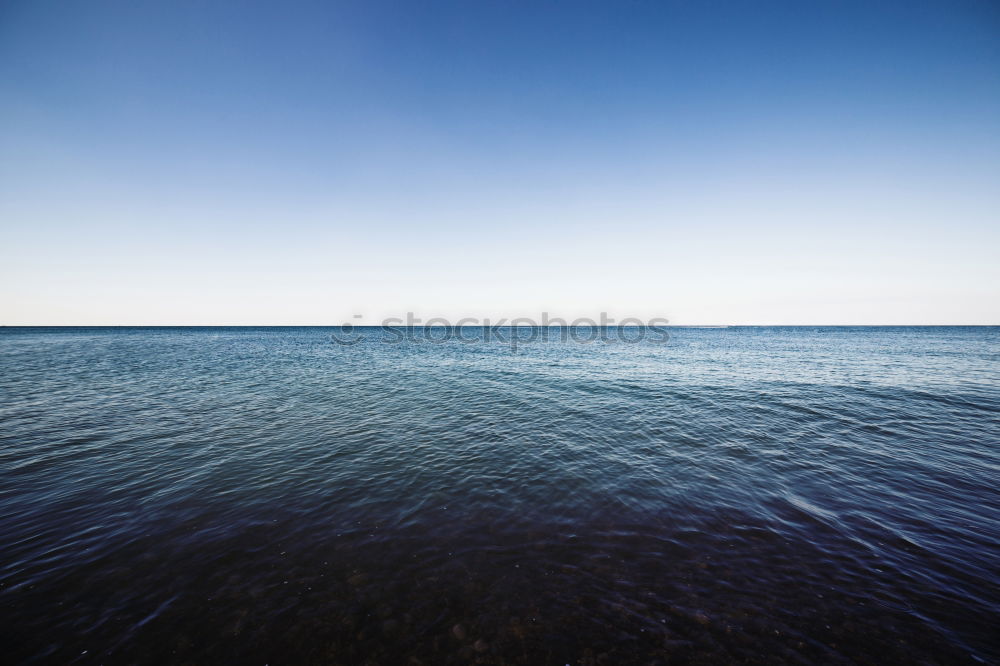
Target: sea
[(750, 495)]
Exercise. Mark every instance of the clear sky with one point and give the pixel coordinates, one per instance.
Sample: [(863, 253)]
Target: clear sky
[(298, 163)]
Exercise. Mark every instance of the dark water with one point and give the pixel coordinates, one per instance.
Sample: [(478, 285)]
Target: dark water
[(757, 495)]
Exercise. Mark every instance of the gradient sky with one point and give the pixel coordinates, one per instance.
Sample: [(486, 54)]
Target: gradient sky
[(299, 163)]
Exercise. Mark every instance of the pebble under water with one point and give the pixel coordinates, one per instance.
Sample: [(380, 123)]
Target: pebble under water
[(737, 495)]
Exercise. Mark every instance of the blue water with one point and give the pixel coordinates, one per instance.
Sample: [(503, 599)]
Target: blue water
[(261, 495)]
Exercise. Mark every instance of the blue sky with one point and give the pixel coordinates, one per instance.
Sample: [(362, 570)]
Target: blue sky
[(299, 163)]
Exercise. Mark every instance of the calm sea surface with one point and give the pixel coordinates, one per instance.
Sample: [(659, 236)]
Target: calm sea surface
[(261, 495)]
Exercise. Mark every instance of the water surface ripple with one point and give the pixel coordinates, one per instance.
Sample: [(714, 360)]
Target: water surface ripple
[(260, 495)]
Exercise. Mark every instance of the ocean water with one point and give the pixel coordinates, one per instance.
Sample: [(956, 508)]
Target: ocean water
[(262, 495)]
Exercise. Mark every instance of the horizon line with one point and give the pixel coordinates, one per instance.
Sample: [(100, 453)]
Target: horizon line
[(505, 325)]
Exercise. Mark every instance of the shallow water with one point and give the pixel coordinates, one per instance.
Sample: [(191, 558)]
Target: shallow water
[(261, 495)]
